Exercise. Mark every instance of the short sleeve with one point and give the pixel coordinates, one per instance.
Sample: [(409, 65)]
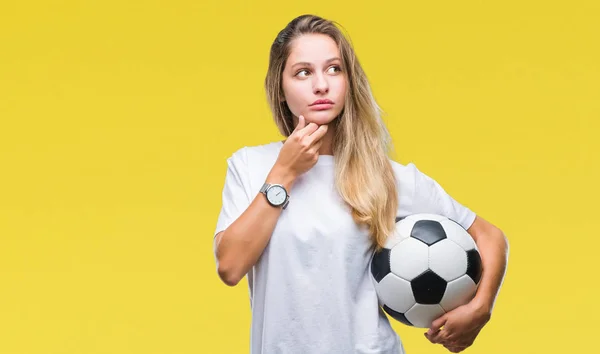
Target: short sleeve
[(235, 198), (430, 197)]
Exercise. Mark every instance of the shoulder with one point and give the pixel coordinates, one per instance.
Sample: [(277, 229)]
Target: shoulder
[(405, 173), (413, 180), (411, 174), (255, 161), (404, 170), (264, 152), (253, 152)]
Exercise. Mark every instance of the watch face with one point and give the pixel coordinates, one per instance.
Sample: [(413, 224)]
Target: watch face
[(276, 195)]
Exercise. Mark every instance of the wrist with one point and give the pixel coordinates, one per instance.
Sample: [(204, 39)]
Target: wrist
[(283, 176), (483, 304)]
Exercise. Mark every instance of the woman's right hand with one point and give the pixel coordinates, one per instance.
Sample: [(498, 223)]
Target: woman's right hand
[(300, 152)]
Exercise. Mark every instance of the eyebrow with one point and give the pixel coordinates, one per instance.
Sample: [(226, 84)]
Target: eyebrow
[(309, 64)]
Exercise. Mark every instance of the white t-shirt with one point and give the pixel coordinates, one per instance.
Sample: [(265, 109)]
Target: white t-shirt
[(310, 291)]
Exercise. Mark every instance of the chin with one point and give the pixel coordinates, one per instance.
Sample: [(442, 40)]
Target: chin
[(322, 117)]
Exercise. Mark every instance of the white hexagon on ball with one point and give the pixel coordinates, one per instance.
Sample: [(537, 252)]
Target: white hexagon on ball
[(458, 292), (395, 293), (447, 259), (422, 315), (458, 234), (408, 258)]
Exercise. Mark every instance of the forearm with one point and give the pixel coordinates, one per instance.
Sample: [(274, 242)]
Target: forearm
[(240, 246), (494, 249)]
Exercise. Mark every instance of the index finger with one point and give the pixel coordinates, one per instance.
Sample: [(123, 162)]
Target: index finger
[(301, 123), (319, 133)]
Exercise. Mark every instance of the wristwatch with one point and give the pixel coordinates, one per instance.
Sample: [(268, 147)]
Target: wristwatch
[(276, 194)]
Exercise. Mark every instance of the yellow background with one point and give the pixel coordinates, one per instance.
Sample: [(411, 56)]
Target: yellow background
[(116, 118)]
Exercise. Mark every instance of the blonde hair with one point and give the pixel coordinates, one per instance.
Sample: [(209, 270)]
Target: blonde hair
[(364, 176)]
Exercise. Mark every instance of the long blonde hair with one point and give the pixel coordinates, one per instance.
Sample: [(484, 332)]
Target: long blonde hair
[(364, 176)]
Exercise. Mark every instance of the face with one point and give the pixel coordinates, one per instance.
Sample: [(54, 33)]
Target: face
[(313, 72)]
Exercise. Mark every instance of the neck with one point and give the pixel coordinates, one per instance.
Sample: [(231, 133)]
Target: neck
[(327, 145)]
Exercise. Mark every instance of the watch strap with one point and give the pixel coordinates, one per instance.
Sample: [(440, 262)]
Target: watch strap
[(264, 188)]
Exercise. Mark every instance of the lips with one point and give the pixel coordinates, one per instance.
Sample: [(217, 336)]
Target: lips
[(324, 101)]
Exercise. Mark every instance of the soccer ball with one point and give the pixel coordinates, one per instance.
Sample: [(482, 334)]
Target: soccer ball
[(428, 266)]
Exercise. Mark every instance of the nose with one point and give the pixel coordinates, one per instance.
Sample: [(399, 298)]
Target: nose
[(320, 84)]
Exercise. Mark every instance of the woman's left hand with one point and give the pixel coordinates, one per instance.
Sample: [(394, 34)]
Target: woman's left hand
[(460, 326)]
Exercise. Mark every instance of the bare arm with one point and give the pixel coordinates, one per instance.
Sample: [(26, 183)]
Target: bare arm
[(494, 248), (239, 247), (462, 325)]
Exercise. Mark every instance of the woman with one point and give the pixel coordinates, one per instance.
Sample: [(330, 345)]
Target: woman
[(301, 217)]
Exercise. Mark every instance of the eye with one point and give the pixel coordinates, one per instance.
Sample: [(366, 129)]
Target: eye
[(336, 67), (303, 70)]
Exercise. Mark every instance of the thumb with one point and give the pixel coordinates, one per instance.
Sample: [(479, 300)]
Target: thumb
[(301, 123), (435, 325)]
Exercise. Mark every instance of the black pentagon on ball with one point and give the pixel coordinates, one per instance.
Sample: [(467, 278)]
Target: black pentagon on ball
[(380, 264), (397, 315), (474, 267), (428, 231), (398, 218), (428, 288)]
